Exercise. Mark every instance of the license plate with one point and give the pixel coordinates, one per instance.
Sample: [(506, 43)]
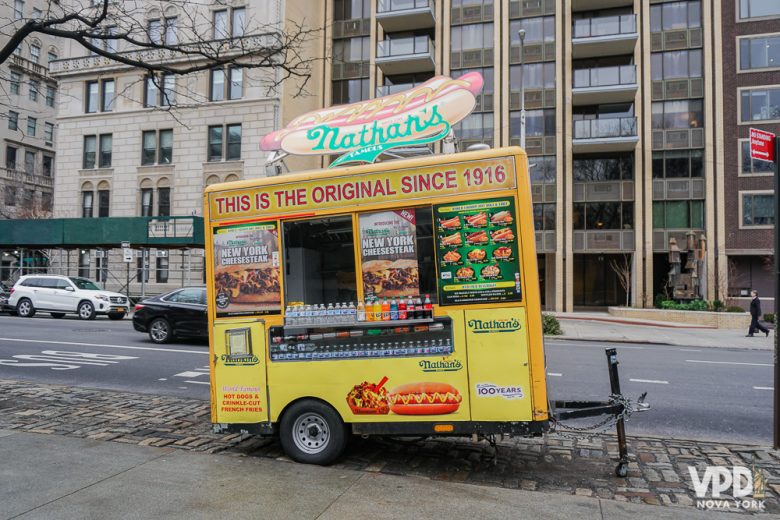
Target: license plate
[(120, 309)]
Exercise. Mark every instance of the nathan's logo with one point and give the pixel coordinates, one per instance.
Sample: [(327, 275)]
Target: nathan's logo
[(239, 360), (490, 326), (441, 366), (742, 481), (493, 390), (362, 131)]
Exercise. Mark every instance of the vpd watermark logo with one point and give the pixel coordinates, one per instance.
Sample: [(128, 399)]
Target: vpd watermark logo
[(723, 488)]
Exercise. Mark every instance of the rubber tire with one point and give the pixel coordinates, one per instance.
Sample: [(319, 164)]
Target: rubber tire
[(91, 315), (30, 313), (167, 338), (338, 433), (116, 315), (57, 315)]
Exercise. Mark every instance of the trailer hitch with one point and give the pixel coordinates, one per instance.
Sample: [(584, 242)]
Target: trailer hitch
[(616, 408)]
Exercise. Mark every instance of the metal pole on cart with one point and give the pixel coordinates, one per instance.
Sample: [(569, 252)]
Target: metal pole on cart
[(776, 146)]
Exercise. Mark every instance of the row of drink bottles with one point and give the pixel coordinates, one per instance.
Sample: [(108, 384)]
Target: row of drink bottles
[(307, 351), (373, 310)]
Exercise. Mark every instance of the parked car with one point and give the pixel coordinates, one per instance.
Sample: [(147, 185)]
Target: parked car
[(61, 295), (4, 307), (175, 314)]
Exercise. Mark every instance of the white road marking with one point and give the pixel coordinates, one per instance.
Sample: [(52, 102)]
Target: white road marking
[(568, 343), (189, 374), (64, 360), (103, 345), (729, 363), (163, 379), (198, 382), (690, 350), (763, 388), (554, 374), (653, 381)]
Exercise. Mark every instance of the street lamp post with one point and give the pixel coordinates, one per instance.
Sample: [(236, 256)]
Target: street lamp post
[(521, 34)]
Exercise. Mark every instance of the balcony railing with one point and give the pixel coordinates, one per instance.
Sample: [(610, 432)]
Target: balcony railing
[(605, 76), (30, 178), (398, 47), (386, 90), (389, 6), (605, 128), (605, 26), (29, 66)]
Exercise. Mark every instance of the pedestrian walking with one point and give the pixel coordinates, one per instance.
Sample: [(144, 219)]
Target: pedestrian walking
[(755, 312)]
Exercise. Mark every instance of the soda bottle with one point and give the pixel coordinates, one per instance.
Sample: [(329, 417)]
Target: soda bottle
[(409, 308), (401, 309), (393, 309), (428, 307), (377, 309), (361, 312), (385, 310), (419, 313)]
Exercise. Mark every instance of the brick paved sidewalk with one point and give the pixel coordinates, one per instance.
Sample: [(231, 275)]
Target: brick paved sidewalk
[(582, 465)]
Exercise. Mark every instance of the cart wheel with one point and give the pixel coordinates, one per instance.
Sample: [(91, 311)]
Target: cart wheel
[(313, 433), (622, 469)]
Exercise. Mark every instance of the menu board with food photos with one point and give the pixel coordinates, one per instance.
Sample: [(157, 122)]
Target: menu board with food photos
[(477, 252)]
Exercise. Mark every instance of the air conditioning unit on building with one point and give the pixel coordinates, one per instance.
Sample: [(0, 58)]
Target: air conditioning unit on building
[(101, 254), (162, 254)]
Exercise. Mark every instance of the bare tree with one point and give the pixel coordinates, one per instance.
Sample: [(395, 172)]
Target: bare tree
[(622, 269), (119, 30)]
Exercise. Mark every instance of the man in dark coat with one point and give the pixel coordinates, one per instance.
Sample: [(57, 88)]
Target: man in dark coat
[(755, 312)]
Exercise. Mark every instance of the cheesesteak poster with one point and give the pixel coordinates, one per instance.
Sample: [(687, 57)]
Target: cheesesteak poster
[(388, 241), (246, 270)]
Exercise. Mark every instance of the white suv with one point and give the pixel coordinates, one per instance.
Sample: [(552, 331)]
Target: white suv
[(61, 295)]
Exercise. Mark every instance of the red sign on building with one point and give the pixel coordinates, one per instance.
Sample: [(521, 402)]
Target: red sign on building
[(762, 145)]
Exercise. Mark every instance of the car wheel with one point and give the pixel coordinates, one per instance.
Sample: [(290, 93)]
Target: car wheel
[(313, 433), (86, 311), (116, 315), (160, 331), (57, 315), (25, 308)]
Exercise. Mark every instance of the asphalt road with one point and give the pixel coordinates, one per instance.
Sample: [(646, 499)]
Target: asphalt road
[(698, 393)]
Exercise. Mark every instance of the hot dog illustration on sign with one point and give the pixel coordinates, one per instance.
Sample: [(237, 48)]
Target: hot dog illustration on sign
[(362, 131)]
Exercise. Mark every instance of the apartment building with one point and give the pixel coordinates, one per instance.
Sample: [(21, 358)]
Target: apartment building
[(134, 144), (631, 123), (28, 95)]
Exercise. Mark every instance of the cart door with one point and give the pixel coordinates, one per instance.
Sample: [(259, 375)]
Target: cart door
[(499, 376), (239, 393)]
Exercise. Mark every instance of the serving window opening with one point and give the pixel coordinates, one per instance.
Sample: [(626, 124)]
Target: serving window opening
[(319, 259)]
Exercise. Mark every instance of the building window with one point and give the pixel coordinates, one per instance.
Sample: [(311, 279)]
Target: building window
[(217, 84), (163, 202), (101, 268), (675, 15), (86, 204), (351, 9), (678, 214), (163, 31), (147, 197), (142, 271), (686, 113), (603, 215), (537, 30), (160, 90), (760, 104), (171, 36), (90, 151), (542, 169), (51, 56), (351, 50), (535, 76), (16, 81), (32, 126), (154, 30), (92, 93), (157, 147), (229, 23), (46, 201), (678, 164), (758, 209), (37, 14), (476, 127), (349, 91), (48, 133), (161, 273), (18, 9), (103, 202), (471, 37), (18, 50), (48, 165), (221, 90), (758, 8), (107, 97), (219, 147), (29, 162), (33, 93), (603, 168), (84, 263), (761, 52), (676, 64), (10, 157), (50, 90), (544, 217), (10, 196), (236, 86), (35, 53), (749, 166), (537, 123), (13, 120)]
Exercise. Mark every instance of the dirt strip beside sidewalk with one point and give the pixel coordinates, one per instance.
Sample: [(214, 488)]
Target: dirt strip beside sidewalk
[(573, 465)]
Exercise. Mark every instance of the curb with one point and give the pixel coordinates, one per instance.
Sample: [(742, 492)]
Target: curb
[(655, 343)]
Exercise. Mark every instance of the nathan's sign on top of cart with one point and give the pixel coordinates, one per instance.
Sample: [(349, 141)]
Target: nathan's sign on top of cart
[(362, 131)]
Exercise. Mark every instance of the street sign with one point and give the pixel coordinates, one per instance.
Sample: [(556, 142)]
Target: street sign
[(762, 145), (127, 254)]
